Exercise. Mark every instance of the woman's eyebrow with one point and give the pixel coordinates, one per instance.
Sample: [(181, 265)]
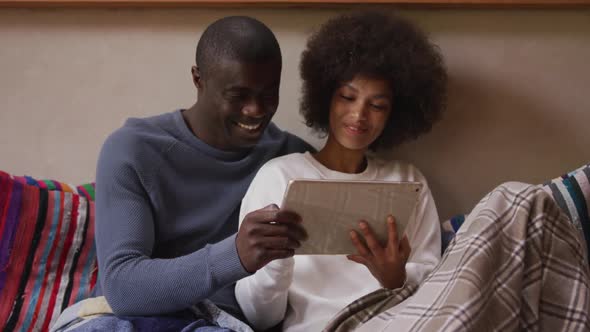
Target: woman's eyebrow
[(348, 85), (382, 96)]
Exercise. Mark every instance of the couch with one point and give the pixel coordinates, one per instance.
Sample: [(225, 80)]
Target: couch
[(48, 258)]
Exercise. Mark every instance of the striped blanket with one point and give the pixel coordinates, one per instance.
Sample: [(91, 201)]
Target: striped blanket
[(47, 254), (517, 263)]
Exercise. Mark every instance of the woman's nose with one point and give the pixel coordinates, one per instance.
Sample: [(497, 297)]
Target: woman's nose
[(359, 112)]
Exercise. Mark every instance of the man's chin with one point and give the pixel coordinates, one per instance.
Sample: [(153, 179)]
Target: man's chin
[(245, 142)]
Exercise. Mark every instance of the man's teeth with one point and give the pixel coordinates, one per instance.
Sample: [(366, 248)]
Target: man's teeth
[(248, 127)]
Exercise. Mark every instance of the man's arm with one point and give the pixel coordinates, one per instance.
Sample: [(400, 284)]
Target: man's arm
[(132, 282), (263, 296)]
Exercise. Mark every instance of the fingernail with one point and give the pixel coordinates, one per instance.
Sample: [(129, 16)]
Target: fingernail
[(352, 234), (362, 225)]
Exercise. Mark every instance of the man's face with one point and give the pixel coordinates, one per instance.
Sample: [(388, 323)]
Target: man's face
[(239, 99)]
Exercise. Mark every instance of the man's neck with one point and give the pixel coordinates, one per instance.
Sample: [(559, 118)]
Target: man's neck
[(190, 116)]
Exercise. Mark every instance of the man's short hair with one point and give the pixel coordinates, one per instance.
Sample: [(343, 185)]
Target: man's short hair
[(240, 38)]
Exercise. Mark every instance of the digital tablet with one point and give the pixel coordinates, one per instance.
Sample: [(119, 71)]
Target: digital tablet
[(331, 208)]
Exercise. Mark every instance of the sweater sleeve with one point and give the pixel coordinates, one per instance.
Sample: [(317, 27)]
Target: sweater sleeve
[(133, 282), (424, 237), (263, 296)]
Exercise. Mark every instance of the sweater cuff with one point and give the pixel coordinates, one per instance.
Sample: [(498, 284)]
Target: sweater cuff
[(225, 263)]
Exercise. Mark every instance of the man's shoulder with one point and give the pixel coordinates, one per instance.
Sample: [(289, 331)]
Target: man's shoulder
[(140, 136), (291, 142)]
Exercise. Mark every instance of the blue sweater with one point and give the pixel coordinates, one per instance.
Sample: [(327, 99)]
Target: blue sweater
[(167, 209)]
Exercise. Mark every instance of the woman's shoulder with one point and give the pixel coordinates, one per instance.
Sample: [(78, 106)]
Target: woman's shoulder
[(397, 170), (286, 164)]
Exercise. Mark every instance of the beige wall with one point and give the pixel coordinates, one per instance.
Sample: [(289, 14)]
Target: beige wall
[(519, 107)]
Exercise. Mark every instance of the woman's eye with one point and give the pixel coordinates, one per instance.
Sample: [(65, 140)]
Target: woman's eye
[(379, 107), (349, 98)]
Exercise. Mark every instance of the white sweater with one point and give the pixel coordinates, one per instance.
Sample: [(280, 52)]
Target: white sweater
[(308, 290)]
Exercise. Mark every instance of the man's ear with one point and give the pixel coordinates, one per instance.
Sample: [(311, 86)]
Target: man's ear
[(196, 73)]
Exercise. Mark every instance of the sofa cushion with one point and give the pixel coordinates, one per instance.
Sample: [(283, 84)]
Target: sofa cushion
[(449, 228), (47, 252), (570, 191)]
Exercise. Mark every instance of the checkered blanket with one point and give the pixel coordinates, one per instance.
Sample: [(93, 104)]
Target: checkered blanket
[(517, 263)]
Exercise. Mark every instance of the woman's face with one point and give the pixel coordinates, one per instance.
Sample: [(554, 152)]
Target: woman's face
[(359, 111)]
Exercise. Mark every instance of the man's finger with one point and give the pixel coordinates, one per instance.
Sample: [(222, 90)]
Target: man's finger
[(270, 207), (287, 217), (295, 232), (279, 242), (261, 216), (372, 242), (268, 215)]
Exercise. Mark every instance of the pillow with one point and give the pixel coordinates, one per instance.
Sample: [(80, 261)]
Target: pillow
[(47, 252), (449, 228), (572, 193)]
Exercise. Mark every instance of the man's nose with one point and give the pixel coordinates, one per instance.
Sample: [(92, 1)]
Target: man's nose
[(253, 108)]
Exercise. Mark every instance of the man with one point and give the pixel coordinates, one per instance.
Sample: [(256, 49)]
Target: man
[(169, 187)]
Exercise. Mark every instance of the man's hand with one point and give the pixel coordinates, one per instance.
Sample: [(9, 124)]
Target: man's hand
[(387, 265), (268, 234)]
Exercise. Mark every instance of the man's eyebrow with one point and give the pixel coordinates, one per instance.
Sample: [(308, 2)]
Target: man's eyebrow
[(235, 88)]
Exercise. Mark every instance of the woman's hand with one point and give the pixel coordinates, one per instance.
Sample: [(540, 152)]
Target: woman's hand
[(387, 264)]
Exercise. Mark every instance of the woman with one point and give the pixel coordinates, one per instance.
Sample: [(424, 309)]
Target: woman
[(370, 81)]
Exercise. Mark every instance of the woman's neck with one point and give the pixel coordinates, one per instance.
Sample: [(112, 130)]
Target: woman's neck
[(338, 158)]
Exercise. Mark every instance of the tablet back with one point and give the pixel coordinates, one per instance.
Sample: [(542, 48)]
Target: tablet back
[(331, 208)]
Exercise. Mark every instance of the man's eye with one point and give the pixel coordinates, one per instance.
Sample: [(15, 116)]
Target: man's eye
[(270, 97), (235, 98)]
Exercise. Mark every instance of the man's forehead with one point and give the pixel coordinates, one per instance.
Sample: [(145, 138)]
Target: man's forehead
[(239, 66), (243, 74)]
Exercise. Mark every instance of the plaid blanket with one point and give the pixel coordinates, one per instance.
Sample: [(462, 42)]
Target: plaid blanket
[(517, 263)]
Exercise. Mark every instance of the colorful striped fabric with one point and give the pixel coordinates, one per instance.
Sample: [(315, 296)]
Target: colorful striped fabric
[(572, 193), (85, 190), (47, 252)]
